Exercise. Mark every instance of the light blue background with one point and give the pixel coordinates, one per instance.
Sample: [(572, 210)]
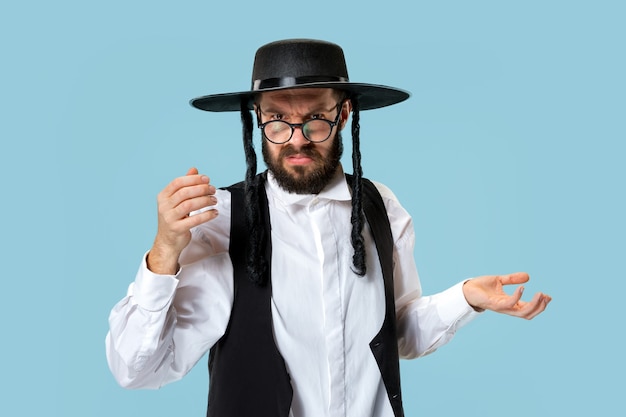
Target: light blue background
[(509, 155)]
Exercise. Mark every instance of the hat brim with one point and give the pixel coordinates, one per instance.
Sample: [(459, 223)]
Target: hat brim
[(369, 96)]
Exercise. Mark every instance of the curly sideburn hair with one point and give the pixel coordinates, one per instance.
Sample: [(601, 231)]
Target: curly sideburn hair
[(255, 259), (357, 218), (256, 262)]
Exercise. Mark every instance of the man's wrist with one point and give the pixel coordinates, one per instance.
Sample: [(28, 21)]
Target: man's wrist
[(162, 263), (465, 292)]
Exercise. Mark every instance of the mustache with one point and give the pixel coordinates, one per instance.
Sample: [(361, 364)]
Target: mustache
[(306, 150)]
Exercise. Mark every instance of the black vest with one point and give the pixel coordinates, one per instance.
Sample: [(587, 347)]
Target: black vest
[(248, 376)]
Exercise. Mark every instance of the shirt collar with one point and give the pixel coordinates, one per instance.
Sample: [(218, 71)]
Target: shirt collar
[(337, 189)]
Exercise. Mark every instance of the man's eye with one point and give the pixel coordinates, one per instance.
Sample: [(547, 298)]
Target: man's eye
[(317, 116), (277, 117)]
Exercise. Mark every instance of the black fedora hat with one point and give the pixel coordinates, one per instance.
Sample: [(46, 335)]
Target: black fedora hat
[(301, 63)]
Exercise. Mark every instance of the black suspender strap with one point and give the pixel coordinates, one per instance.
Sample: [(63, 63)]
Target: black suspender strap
[(384, 346)]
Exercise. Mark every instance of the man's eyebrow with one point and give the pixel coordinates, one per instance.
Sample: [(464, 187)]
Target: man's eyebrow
[(269, 109), (322, 109)]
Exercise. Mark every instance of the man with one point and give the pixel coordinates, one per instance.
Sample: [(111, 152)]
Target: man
[(304, 287)]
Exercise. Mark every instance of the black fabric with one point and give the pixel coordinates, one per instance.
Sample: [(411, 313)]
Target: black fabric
[(384, 346), (294, 81), (248, 376)]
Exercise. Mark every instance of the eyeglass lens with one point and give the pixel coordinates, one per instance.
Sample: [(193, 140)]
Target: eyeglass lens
[(314, 130)]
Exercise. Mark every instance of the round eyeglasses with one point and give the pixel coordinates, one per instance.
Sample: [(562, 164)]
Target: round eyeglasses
[(314, 130)]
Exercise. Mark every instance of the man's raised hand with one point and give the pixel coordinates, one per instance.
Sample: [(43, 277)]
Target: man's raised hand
[(178, 199)]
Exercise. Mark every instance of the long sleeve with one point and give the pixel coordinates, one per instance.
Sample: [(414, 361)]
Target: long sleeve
[(136, 351), (165, 323)]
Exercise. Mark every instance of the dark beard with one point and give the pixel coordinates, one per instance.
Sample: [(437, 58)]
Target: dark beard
[(300, 181)]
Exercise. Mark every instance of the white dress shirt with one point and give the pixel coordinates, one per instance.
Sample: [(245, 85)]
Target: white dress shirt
[(324, 315)]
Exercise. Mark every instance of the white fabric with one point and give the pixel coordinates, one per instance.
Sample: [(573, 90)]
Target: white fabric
[(324, 315)]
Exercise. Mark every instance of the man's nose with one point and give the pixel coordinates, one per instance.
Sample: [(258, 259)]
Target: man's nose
[(298, 139)]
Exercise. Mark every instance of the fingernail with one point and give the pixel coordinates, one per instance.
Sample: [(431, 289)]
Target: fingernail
[(205, 178)]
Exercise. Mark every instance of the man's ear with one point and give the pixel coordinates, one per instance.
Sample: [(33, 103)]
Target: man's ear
[(255, 109), (346, 109)]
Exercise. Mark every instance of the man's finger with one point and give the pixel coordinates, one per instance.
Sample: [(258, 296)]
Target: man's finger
[(185, 181), (515, 278), (514, 298), (199, 218), (533, 307)]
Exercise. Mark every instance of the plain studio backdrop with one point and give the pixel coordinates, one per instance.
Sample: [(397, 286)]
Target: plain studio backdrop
[(509, 156)]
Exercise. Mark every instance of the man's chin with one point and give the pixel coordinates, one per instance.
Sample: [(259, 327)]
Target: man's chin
[(300, 180), (298, 172)]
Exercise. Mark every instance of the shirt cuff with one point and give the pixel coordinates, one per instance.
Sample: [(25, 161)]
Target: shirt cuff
[(454, 308), (153, 292)]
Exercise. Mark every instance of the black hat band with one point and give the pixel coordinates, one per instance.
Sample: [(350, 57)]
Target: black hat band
[(293, 81)]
